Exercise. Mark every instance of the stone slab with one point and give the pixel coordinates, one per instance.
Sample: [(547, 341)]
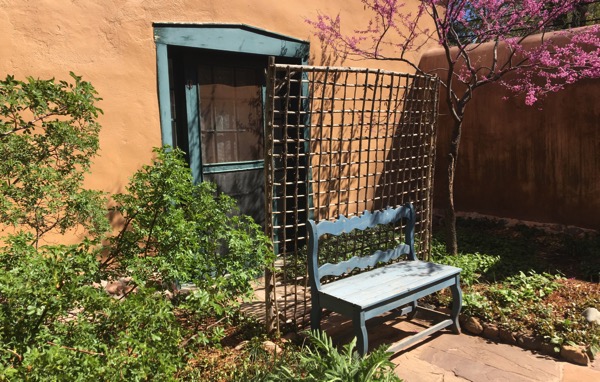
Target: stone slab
[(575, 373), (413, 369), (475, 359)]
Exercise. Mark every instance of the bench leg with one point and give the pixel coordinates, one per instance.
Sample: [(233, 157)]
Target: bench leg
[(413, 313), (315, 315), (360, 329), (456, 304)]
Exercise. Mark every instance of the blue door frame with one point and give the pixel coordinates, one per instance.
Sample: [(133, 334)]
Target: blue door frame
[(236, 38)]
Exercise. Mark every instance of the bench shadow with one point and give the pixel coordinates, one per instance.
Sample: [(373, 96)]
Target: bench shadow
[(385, 329)]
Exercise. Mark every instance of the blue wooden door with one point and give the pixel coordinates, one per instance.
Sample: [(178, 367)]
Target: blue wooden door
[(224, 98), (232, 131)]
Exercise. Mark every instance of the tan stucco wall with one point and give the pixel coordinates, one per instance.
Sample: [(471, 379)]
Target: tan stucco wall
[(110, 43), (525, 163)]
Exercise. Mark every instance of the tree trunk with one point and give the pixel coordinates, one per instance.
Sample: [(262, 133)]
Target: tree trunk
[(451, 241)]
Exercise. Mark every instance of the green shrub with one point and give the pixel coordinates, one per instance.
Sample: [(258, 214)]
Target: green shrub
[(475, 266), (48, 137), (176, 231), (56, 321), (325, 362)]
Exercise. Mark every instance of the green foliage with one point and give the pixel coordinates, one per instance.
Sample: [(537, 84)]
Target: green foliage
[(475, 266), (48, 136), (514, 301), (56, 320), (174, 230), (247, 361), (325, 362), (522, 288), (513, 277), (568, 325), (476, 304)]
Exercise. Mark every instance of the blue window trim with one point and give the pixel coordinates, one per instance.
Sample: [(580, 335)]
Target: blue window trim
[(225, 37), (233, 166)]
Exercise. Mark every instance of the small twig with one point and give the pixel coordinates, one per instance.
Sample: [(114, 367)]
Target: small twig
[(215, 323), (20, 357), (128, 292), (185, 342), (75, 349)]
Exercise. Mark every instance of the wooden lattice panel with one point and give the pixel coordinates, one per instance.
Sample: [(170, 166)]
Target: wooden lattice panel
[(341, 141)]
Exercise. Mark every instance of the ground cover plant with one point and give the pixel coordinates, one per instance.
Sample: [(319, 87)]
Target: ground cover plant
[(324, 362), (242, 356), (528, 280)]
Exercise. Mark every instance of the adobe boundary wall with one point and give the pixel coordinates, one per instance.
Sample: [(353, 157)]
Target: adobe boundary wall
[(538, 164)]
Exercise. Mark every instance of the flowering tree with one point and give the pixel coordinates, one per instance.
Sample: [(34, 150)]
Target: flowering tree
[(394, 32)]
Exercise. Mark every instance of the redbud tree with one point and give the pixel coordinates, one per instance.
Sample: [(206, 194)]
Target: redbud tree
[(394, 31)]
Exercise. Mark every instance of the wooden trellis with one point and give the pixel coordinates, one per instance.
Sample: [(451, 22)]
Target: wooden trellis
[(340, 141)]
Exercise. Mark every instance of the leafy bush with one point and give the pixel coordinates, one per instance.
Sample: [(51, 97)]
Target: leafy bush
[(55, 318), (48, 137), (326, 363), (176, 231), (474, 265)]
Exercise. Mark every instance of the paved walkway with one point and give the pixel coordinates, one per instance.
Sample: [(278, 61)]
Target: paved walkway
[(451, 358), (447, 357)]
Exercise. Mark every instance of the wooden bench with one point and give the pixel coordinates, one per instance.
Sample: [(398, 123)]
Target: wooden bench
[(379, 290)]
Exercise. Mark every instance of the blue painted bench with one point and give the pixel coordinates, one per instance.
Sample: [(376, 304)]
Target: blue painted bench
[(375, 291)]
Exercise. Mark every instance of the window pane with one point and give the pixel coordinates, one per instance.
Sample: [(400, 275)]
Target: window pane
[(227, 147), (231, 107), (209, 154)]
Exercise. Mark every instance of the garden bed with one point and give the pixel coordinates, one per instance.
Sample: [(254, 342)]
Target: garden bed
[(528, 286)]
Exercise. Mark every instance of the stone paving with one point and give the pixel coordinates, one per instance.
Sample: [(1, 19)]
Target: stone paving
[(447, 357), (467, 358)]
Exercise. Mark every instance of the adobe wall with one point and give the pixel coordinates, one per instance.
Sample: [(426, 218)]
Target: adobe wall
[(521, 162), (110, 43)]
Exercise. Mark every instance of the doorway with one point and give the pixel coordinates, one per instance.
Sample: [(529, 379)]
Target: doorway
[(212, 93), (219, 121)]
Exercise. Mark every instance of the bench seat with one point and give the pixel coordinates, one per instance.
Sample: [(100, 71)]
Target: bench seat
[(370, 291)]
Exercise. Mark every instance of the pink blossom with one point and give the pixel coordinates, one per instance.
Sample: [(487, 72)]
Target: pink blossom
[(390, 32)]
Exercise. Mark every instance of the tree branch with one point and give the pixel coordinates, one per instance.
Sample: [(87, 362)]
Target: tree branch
[(75, 349)]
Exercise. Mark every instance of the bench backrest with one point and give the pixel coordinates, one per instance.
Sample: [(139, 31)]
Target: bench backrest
[(345, 225)]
